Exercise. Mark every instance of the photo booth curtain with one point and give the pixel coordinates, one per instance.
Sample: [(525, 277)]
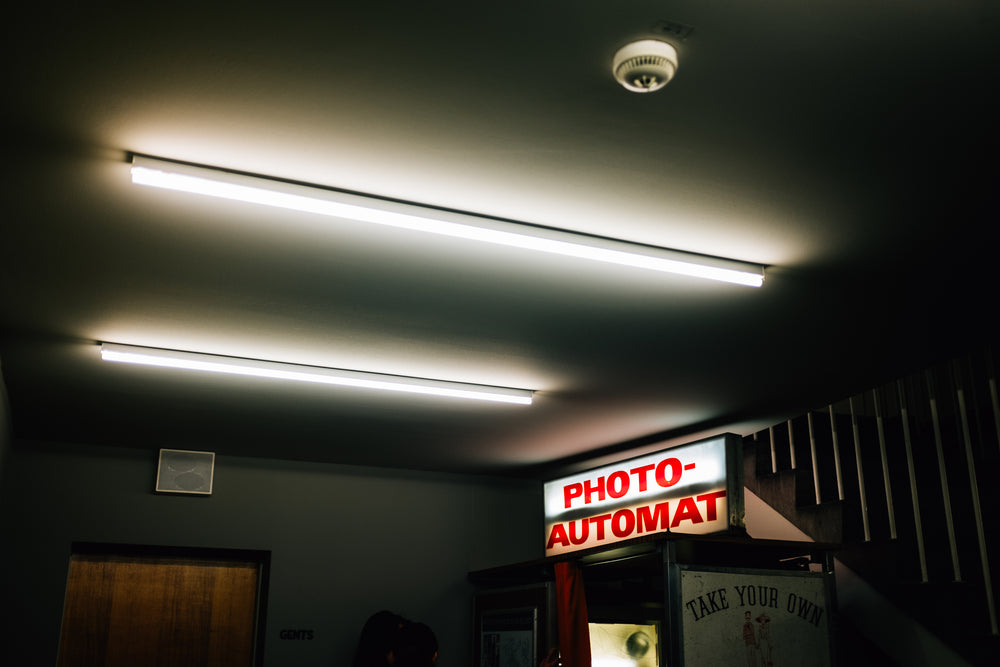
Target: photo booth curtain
[(571, 609)]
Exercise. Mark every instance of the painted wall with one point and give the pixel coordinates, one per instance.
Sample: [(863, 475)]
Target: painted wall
[(344, 541), (4, 424)]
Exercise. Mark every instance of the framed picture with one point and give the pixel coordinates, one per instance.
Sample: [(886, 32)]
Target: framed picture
[(184, 471), (512, 627), (755, 617)]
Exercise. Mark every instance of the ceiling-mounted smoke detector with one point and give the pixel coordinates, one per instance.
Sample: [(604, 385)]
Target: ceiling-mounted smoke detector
[(645, 66)]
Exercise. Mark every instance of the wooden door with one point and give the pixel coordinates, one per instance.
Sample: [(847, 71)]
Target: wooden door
[(160, 611)]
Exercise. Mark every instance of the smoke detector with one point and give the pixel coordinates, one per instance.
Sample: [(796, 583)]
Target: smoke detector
[(645, 66)]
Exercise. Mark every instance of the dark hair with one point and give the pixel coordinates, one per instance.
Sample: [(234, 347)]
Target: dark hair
[(415, 646), (376, 639)]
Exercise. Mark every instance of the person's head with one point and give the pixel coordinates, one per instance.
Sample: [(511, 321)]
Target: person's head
[(415, 646), (376, 640)]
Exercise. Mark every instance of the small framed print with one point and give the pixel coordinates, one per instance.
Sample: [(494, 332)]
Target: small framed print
[(186, 472)]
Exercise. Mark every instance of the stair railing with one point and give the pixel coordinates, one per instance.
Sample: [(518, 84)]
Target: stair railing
[(937, 417)]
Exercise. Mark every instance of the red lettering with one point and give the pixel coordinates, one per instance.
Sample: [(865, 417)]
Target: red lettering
[(571, 491), (599, 522), (589, 490), (557, 536), (627, 522), (687, 510), (584, 532), (711, 501), (648, 520), (616, 523), (640, 474), (617, 484), (675, 472)]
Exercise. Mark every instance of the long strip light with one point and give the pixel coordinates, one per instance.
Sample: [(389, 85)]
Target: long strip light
[(196, 361), (314, 199)]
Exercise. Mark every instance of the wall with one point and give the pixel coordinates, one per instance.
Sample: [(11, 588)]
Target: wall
[(4, 424), (344, 541), (765, 523)]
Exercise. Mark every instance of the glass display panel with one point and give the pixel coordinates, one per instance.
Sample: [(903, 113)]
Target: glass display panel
[(624, 645)]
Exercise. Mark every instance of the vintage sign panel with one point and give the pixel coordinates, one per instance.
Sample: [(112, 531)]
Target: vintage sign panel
[(754, 618), (693, 489)]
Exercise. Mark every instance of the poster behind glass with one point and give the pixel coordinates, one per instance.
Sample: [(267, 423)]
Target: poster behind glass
[(507, 638), (754, 618)]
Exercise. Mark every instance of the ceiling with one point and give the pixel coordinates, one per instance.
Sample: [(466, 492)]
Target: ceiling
[(846, 146)]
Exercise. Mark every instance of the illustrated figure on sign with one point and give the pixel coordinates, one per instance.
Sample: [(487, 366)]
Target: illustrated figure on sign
[(764, 640), (750, 640)]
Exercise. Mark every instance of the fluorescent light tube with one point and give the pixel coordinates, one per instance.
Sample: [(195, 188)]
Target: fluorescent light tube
[(323, 201), (150, 356)]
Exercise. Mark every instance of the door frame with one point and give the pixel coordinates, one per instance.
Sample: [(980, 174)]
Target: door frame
[(262, 558)]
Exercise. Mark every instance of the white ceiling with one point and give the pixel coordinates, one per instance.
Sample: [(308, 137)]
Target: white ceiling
[(847, 146)]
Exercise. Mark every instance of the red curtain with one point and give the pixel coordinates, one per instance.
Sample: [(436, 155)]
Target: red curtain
[(571, 606)]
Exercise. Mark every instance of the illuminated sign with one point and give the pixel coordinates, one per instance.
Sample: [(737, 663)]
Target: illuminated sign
[(696, 488)]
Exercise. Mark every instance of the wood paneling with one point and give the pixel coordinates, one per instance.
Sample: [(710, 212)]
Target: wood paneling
[(159, 612)]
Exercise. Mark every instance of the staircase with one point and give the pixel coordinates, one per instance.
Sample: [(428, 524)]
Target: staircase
[(906, 477)]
